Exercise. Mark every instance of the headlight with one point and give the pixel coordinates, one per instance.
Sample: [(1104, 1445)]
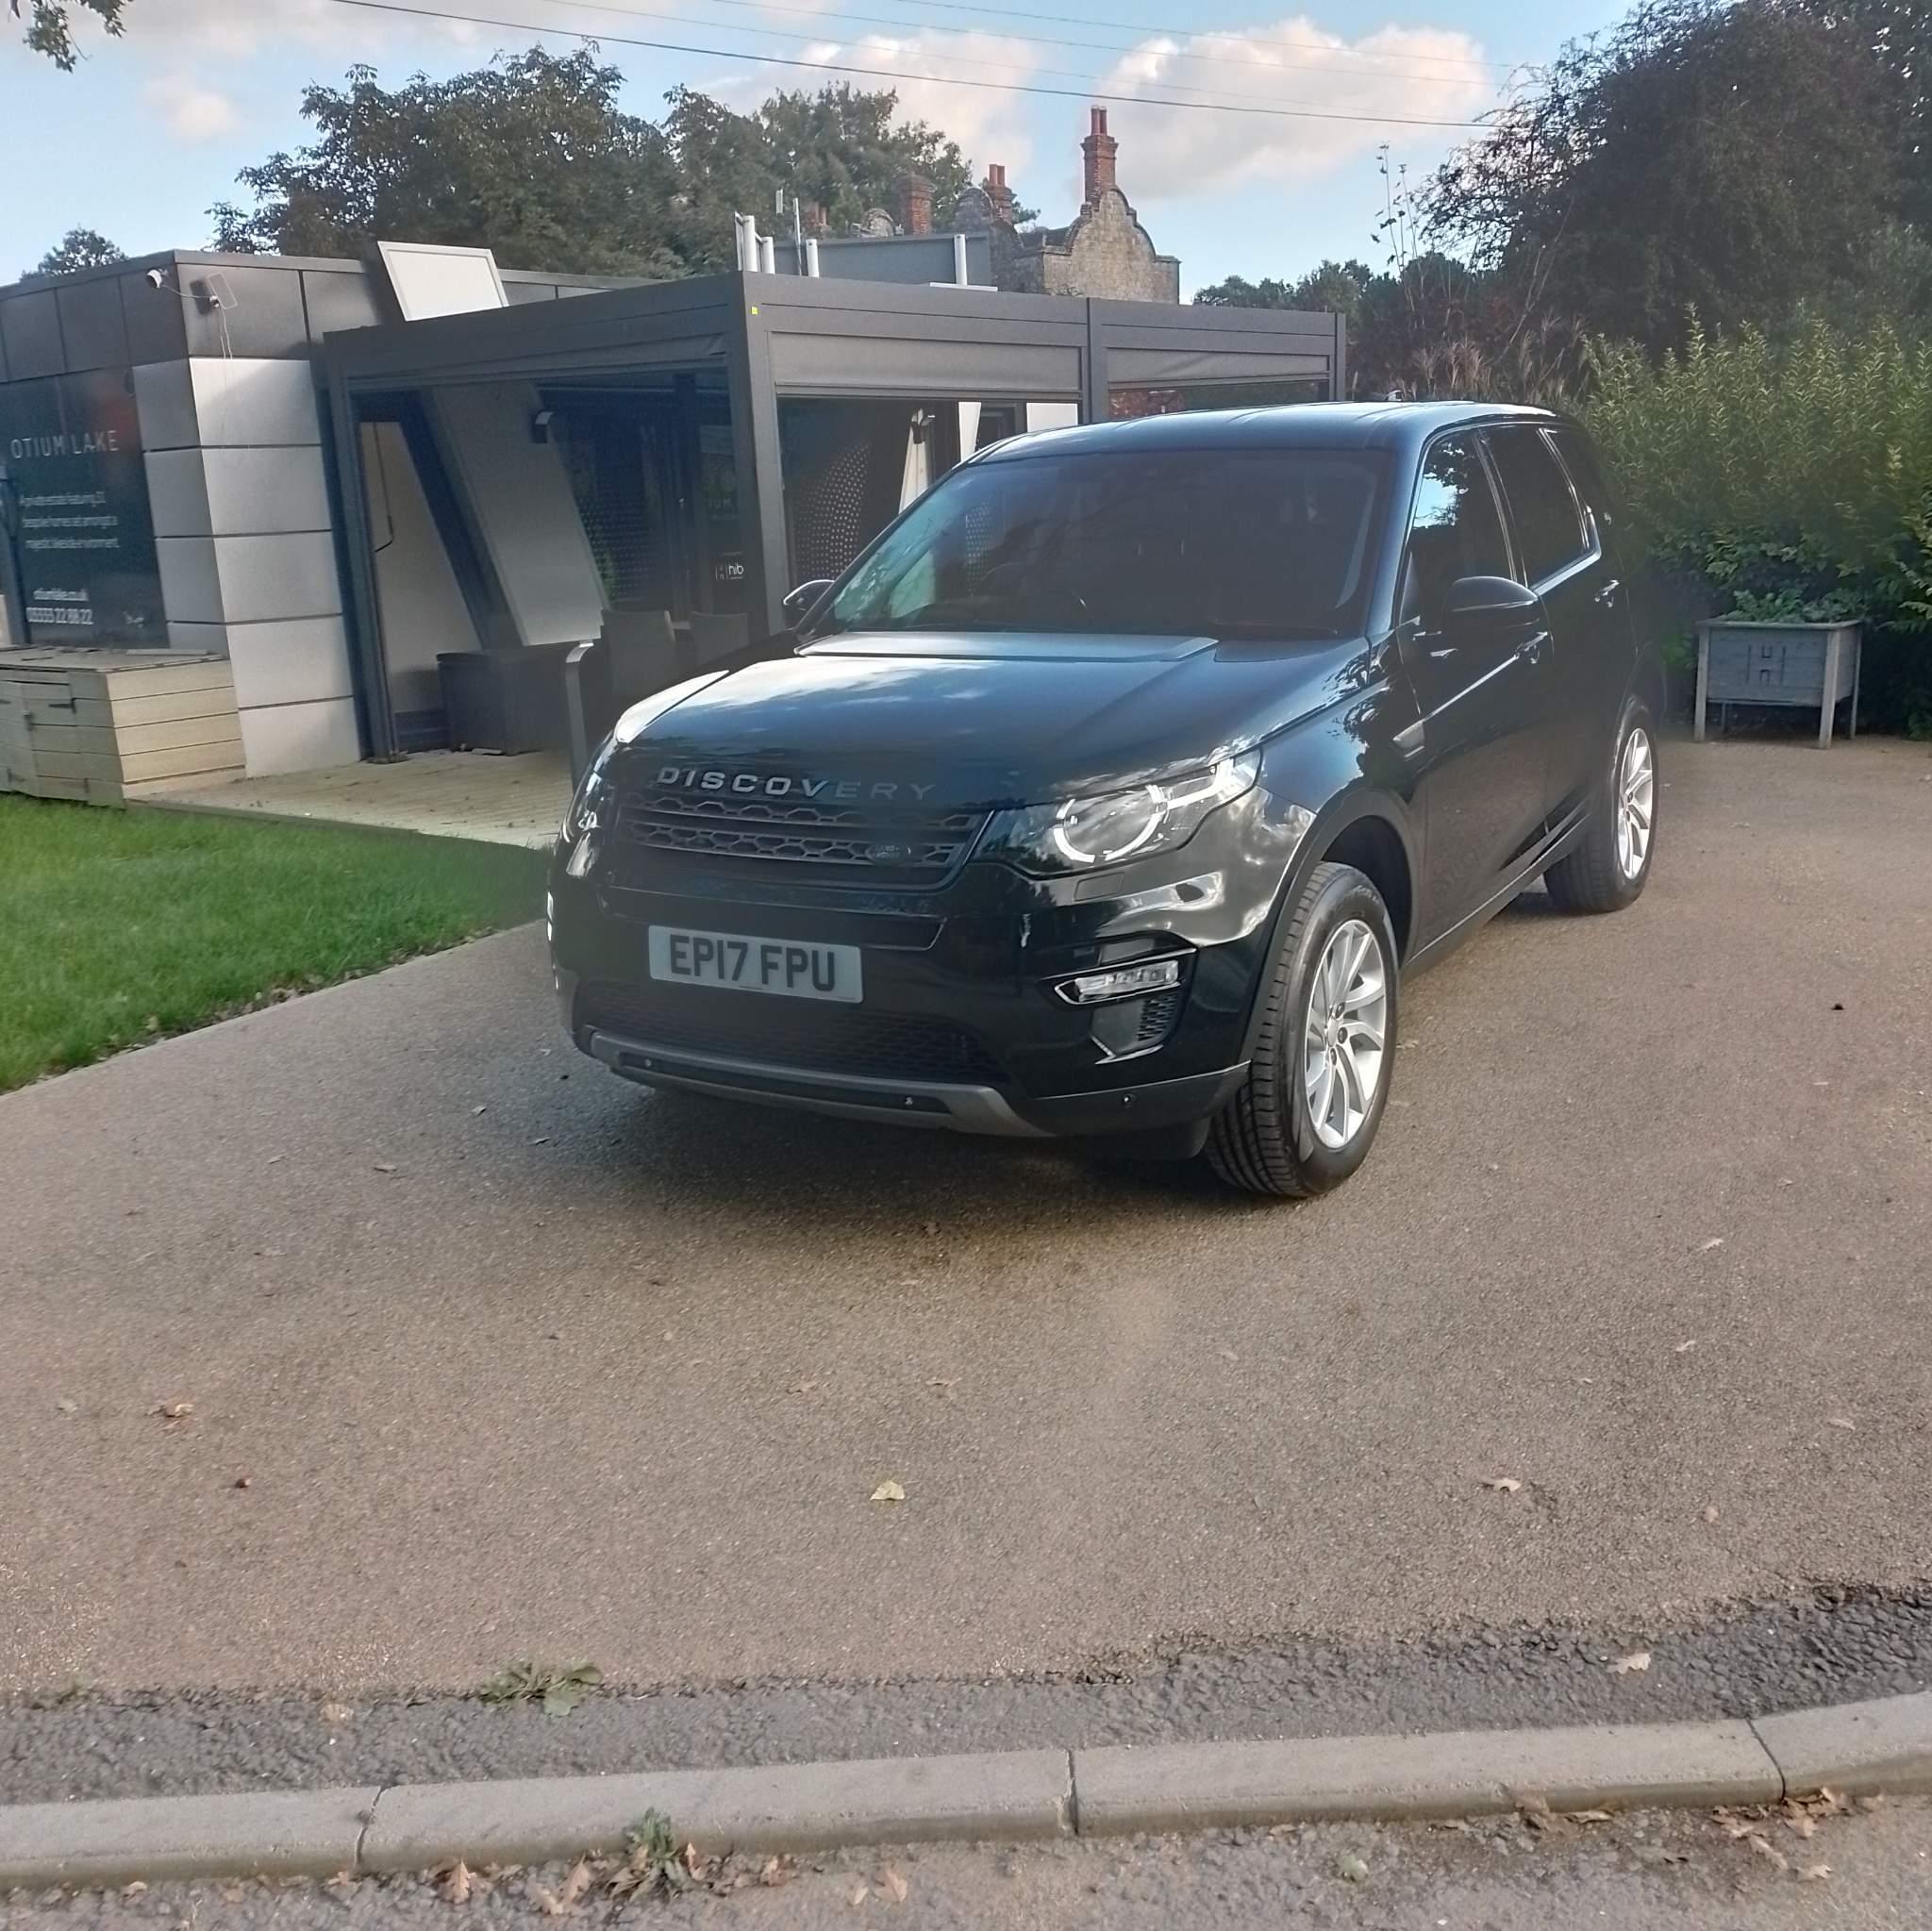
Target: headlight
[(1112, 826)]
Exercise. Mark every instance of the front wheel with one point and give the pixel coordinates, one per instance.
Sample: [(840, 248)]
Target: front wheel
[(1607, 871), (1307, 1115)]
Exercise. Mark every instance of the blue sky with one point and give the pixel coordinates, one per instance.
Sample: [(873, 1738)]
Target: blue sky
[(152, 129)]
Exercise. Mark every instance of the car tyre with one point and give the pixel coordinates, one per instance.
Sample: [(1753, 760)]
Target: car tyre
[(1608, 869), (1318, 1084)]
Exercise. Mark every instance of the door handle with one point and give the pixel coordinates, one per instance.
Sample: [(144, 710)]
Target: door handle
[(1532, 652), (1607, 596)]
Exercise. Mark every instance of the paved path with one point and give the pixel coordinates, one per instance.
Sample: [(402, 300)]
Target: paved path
[(595, 1373), (503, 801)]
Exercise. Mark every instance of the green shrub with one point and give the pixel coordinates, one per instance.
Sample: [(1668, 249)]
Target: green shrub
[(1788, 479)]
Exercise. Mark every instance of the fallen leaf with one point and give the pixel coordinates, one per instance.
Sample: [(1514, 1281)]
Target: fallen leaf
[(1814, 1874), (777, 1870), (1711, 1245), (1506, 1485), (275, 1159), (859, 1896), (1354, 1869), (945, 1381), (243, 1482), (932, 1228), (1683, 1347), (1844, 1421), (1633, 1665), (474, 1111), (574, 1888), (1589, 1817), (1710, 1513), (892, 1885), (1829, 1802), (335, 1713), (174, 1411), (67, 1406), (388, 1167), (133, 1890), (1802, 1824), (455, 1882), (888, 1492), (1769, 1851), (1872, 1803)]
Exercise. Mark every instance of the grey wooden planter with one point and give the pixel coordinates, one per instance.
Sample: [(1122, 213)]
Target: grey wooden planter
[(1739, 661)]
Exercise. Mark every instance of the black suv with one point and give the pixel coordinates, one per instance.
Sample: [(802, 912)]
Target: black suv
[(1110, 792)]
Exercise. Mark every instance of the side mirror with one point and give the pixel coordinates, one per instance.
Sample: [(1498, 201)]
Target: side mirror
[(1476, 599), (797, 603)]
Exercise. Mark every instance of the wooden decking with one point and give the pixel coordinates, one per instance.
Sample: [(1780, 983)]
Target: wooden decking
[(511, 801)]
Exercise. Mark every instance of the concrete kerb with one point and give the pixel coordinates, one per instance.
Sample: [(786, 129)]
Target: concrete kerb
[(1882, 1747)]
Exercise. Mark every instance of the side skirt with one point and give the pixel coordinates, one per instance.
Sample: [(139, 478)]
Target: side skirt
[(1526, 873)]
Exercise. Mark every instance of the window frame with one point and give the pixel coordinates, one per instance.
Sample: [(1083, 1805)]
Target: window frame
[(1593, 550), (1405, 581)]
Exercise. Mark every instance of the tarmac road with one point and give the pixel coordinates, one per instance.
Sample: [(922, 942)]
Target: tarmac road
[(514, 1359)]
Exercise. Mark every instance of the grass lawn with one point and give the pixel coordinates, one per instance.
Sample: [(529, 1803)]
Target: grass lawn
[(118, 927)]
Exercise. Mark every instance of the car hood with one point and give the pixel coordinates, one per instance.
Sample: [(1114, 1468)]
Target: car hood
[(951, 721)]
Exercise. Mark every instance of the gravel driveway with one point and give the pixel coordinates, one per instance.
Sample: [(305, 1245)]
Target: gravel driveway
[(489, 1355)]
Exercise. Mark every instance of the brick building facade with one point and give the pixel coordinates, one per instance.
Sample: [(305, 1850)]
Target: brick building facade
[(1103, 252)]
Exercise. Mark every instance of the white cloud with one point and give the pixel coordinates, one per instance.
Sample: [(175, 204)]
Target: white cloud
[(1426, 74), (191, 112), (244, 29)]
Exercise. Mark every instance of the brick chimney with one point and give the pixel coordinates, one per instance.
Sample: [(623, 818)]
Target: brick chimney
[(1100, 148), (915, 205), (998, 192)]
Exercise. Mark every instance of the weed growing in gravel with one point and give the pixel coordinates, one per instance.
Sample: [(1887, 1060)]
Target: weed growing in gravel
[(558, 1687)]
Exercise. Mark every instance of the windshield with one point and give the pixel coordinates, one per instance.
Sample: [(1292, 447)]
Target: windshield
[(1188, 543)]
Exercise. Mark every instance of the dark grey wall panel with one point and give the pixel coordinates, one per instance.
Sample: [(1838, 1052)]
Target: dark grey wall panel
[(155, 319), (266, 319), (338, 299), (1147, 367), (30, 325), (521, 292), (92, 328), (922, 366)]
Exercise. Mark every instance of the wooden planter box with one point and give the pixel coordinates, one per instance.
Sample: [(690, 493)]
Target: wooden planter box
[(106, 726), (1812, 665)]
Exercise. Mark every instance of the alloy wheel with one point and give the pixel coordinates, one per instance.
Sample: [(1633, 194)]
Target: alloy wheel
[(1636, 798), (1342, 1037)]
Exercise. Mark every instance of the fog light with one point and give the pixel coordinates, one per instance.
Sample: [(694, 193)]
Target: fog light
[(1122, 982)]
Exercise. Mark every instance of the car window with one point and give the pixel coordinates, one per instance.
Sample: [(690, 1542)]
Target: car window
[(1238, 543), (1587, 474), (1548, 527), (1457, 530)]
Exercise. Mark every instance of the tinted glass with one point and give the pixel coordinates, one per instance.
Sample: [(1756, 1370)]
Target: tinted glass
[(1457, 530), (1547, 524), (1213, 543)]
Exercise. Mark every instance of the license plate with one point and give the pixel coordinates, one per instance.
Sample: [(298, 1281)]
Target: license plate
[(741, 964)]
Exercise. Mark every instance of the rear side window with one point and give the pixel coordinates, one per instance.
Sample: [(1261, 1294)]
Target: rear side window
[(1548, 524), (1457, 529)]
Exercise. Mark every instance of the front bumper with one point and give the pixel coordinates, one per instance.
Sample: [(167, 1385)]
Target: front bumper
[(961, 1026)]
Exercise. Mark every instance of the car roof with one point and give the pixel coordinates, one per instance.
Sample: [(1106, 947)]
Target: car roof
[(1402, 426)]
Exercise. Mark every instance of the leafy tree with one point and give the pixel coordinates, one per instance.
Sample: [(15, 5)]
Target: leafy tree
[(79, 248), (529, 157), (839, 148), (532, 156), (1335, 288), (1734, 160), (1898, 36), (50, 25)]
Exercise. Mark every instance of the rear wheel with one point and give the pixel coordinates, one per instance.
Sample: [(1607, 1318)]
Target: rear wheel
[(1307, 1115), (1607, 869)]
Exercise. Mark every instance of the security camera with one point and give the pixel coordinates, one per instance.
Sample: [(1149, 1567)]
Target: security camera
[(157, 278)]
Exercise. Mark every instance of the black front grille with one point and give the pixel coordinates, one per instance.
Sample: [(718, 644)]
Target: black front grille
[(811, 1034), (863, 843)]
